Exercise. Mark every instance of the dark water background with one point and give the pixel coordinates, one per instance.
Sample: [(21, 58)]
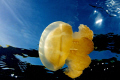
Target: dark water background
[(20, 60)]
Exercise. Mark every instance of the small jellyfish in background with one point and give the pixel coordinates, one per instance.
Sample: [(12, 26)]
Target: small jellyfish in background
[(59, 45)]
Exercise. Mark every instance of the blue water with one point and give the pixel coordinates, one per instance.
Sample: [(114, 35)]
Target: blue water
[(22, 23)]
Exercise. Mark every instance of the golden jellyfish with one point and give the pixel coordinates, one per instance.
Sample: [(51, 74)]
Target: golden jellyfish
[(59, 45)]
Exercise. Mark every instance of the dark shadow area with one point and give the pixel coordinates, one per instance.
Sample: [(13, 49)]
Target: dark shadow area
[(11, 68), (108, 41)]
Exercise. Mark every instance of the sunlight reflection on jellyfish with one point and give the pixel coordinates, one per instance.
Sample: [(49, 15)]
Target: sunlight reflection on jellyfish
[(59, 45)]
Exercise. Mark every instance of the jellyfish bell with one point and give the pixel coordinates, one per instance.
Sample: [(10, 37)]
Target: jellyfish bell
[(54, 45)]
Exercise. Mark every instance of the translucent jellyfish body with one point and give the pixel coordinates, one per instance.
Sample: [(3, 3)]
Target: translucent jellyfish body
[(59, 45), (54, 45)]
